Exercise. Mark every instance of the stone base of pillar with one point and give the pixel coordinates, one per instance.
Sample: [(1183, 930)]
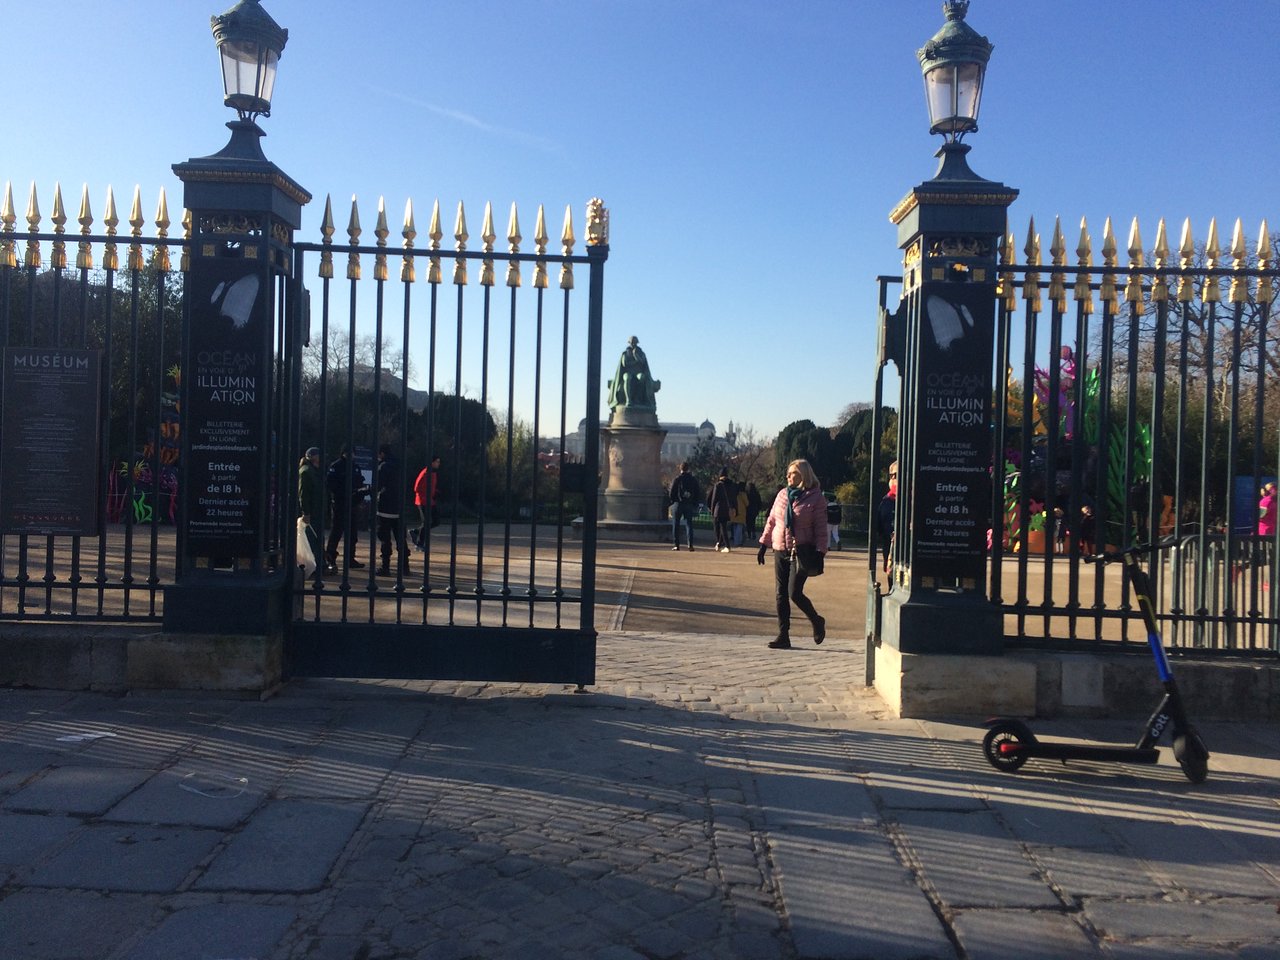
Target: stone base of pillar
[(631, 506), (110, 659), (942, 623), (936, 685), (649, 531)]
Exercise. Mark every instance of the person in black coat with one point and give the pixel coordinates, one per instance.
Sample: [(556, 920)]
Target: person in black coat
[(390, 523), (720, 503), (346, 489), (684, 496)]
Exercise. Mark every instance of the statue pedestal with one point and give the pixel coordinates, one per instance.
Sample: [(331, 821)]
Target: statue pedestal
[(633, 503)]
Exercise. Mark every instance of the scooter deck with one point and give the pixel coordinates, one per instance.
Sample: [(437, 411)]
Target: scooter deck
[(1080, 751)]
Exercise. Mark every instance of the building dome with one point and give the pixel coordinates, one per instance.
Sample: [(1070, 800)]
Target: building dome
[(706, 429)]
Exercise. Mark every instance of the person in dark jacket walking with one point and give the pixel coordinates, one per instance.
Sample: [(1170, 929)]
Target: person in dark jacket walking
[(390, 486), (346, 489), (720, 503), (754, 504), (684, 496)]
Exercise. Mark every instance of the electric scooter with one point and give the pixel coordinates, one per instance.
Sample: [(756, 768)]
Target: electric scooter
[(1009, 742)]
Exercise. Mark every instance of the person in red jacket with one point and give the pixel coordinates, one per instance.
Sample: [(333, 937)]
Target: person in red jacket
[(425, 489), (798, 518)]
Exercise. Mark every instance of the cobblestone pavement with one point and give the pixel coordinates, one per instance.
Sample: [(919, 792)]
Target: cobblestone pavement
[(709, 798)]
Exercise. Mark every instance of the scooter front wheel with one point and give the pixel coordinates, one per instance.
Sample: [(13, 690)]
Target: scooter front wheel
[(1192, 755), (1005, 748)]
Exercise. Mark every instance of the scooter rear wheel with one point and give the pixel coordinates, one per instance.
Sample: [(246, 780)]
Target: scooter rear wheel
[(1192, 755), (1004, 747)]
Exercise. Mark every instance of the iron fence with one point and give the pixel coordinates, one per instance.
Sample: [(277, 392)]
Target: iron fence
[(125, 305), (504, 369), (1154, 418)]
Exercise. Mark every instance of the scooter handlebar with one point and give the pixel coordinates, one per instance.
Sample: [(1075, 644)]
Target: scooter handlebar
[(1137, 550)]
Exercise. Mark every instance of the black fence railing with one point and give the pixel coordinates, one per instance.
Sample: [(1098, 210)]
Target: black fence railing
[(502, 344), (1136, 403), (117, 296)]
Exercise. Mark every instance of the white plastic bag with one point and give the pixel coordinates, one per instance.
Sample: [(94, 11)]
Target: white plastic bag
[(306, 556)]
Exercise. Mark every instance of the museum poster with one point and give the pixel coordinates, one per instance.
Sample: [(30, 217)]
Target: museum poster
[(49, 476), (952, 496), (226, 400)]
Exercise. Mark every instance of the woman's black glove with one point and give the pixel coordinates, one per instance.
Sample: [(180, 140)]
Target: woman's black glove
[(760, 555)]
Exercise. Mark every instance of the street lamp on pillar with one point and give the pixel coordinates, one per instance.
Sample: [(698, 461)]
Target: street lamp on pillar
[(249, 46), (233, 527), (942, 339), (954, 64)]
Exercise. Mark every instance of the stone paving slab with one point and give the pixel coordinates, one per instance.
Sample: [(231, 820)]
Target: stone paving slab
[(191, 793), (289, 846), (126, 857), (215, 931), (82, 790), (71, 925)]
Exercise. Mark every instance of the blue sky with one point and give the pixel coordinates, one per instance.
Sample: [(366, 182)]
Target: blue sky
[(749, 151)]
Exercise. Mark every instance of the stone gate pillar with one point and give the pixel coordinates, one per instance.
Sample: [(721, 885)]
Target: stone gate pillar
[(950, 229), (244, 211)]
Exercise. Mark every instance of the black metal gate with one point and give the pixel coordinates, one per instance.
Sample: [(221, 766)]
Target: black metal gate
[(495, 580), (1134, 402)]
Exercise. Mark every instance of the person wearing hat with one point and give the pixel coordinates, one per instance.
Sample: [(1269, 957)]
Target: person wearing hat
[(720, 503), (312, 499)]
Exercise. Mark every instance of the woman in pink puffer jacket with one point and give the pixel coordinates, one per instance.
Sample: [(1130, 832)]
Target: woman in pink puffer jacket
[(798, 517)]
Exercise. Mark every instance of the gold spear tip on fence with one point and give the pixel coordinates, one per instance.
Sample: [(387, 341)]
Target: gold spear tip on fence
[(567, 241), (111, 219), (1084, 248), (59, 216), (410, 230), (85, 217), (1058, 245), (162, 214), (135, 211), (513, 230), (1032, 247), (434, 230), (460, 228), (1212, 247), (381, 230), (1238, 250), (353, 223), (487, 234), (1109, 247), (566, 235), (327, 228), (1136, 255), (1264, 294), (33, 209), (1161, 249), (540, 239)]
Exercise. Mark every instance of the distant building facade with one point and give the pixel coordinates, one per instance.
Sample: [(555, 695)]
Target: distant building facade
[(681, 440)]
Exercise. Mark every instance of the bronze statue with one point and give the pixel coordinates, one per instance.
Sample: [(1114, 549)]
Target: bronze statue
[(632, 384)]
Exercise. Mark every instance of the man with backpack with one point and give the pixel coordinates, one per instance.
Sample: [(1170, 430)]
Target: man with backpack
[(685, 492)]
